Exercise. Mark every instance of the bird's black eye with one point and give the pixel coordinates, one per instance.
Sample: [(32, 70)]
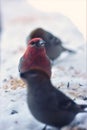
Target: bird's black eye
[(33, 43)]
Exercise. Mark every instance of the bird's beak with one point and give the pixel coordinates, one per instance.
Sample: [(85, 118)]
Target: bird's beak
[(42, 43)]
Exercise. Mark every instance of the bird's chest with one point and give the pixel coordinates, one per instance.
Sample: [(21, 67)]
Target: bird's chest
[(37, 103)]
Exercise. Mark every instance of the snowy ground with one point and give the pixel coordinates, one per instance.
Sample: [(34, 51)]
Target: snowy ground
[(69, 72)]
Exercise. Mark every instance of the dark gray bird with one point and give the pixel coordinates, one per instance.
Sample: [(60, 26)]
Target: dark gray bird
[(53, 44), (46, 103)]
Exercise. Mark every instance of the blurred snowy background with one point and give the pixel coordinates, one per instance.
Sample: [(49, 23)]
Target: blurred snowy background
[(67, 20)]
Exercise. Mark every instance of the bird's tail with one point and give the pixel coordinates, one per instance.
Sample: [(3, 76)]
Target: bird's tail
[(69, 50), (82, 108)]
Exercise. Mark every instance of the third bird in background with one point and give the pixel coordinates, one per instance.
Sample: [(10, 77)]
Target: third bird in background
[(54, 47)]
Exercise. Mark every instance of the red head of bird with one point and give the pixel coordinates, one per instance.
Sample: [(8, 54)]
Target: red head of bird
[(35, 57)]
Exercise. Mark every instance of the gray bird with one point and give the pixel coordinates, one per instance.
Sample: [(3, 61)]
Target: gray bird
[(54, 47), (46, 103)]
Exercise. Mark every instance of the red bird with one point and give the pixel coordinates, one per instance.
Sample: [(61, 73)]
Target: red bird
[(46, 103)]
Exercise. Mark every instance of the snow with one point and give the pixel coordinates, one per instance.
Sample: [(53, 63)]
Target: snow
[(69, 71)]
